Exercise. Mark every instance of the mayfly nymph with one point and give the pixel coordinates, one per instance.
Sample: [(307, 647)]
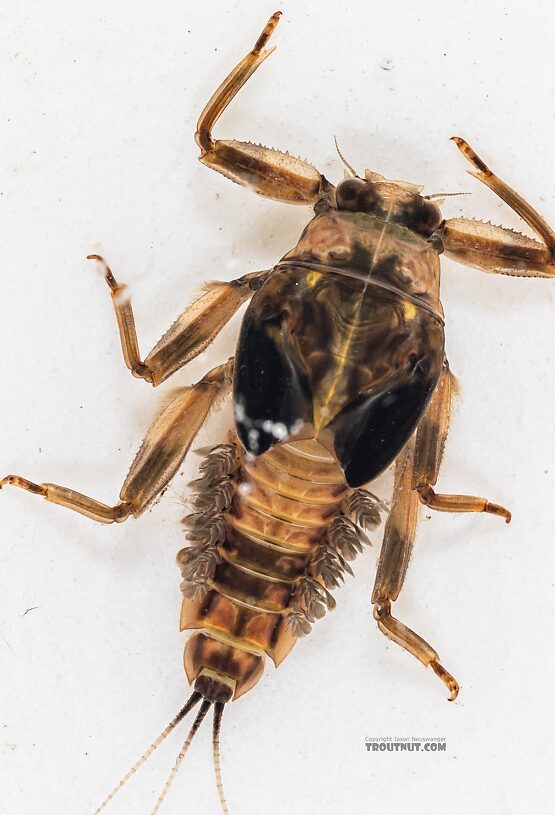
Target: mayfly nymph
[(339, 371)]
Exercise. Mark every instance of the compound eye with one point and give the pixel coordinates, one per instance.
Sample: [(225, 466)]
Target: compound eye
[(370, 201), (423, 217), (348, 192), (431, 217)]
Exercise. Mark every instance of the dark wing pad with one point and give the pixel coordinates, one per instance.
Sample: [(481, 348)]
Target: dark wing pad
[(271, 393), (370, 432)]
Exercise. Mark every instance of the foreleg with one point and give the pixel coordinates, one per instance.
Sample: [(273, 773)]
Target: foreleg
[(493, 248), (268, 172)]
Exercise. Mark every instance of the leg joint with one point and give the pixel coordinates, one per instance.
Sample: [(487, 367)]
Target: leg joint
[(142, 371), (382, 608)]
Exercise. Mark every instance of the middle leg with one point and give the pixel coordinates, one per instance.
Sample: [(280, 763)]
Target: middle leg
[(190, 334), (430, 442)]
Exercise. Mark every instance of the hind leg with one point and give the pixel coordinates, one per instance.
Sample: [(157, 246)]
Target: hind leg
[(416, 471), (164, 448)]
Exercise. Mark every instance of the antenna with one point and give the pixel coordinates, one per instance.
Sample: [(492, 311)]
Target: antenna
[(344, 160), (446, 194)]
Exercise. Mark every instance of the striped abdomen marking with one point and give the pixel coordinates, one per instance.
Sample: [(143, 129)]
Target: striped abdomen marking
[(269, 538)]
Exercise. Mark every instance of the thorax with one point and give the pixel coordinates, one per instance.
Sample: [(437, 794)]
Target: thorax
[(381, 253)]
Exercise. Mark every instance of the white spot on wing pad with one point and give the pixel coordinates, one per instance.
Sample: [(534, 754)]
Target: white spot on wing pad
[(279, 430)]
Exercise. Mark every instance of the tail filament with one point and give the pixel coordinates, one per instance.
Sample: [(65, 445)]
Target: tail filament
[(218, 712), (189, 705), (181, 755)]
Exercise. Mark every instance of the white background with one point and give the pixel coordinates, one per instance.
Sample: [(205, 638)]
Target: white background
[(99, 104)]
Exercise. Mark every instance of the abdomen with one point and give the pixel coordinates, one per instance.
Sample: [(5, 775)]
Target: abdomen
[(263, 521)]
